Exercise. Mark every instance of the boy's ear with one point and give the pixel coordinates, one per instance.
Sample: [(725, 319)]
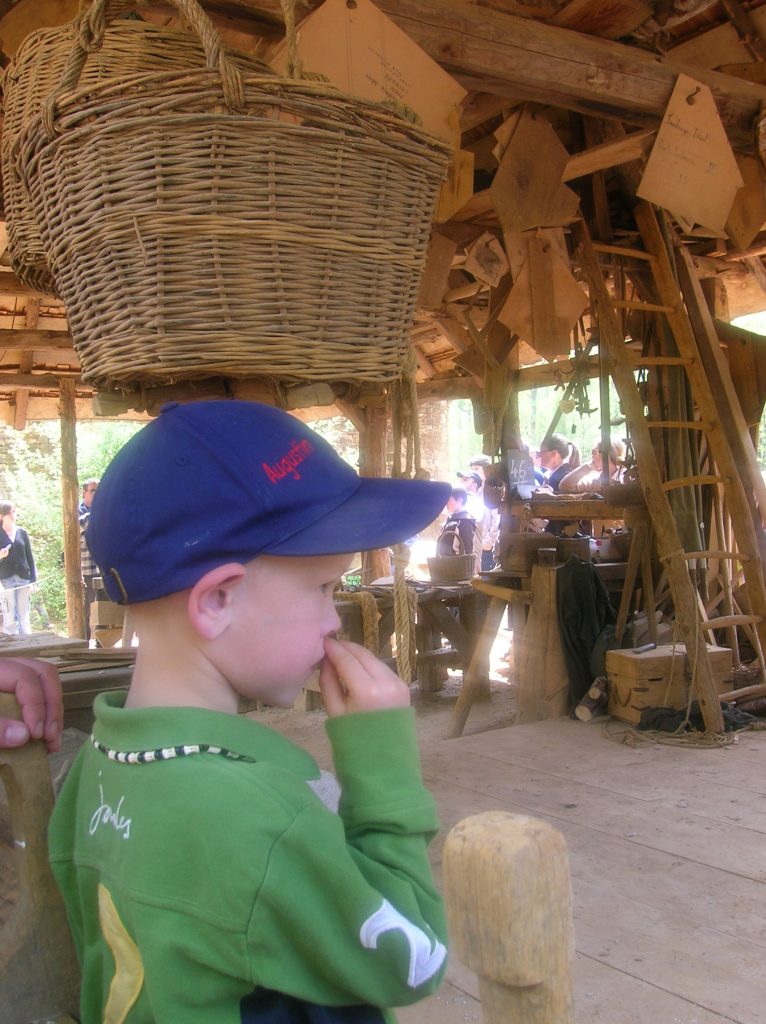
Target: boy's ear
[(210, 600)]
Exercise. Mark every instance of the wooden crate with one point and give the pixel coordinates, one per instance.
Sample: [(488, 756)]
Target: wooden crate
[(659, 678), (106, 613)]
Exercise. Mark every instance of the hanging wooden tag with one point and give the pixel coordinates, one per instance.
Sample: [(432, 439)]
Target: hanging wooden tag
[(486, 259), (527, 191), (545, 301), (364, 53), (691, 170), (748, 213)]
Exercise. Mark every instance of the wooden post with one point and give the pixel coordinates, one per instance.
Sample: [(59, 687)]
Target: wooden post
[(70, 496), (509, 909), (38, 964), (542, 685), (372, 462)]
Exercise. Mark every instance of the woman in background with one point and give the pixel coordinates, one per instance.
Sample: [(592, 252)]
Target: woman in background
[(17, 572), (586, 479), (558, 457)]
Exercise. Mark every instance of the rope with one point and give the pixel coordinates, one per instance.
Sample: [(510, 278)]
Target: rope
[(623, 733), (368, 610), (405, 421), (406, 427), (294, 63), (405, 606)]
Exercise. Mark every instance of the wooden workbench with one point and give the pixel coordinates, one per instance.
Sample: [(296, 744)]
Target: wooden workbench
[(454, 611)]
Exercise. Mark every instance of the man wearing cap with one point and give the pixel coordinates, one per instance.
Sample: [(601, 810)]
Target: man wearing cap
[(488, 519), (204, 878)]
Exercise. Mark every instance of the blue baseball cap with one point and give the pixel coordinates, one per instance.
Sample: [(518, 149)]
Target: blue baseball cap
[(207, 483)]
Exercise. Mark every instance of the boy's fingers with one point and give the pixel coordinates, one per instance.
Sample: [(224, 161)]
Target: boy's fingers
[(350, 660), (331, 689)]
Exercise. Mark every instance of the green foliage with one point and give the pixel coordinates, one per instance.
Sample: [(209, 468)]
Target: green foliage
[(339, 433), (30, 477), (537, 409)]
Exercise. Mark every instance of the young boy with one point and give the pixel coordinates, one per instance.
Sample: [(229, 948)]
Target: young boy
[(205, 880)]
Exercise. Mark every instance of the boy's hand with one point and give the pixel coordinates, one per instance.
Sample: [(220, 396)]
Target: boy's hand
[(352, 679)]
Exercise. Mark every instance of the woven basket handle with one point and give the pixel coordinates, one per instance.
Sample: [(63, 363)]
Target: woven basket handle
[(90, 27)]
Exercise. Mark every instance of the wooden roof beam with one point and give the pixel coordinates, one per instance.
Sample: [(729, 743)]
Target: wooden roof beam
[(27, 340), (11, 285), (496, 52), (522, 58)]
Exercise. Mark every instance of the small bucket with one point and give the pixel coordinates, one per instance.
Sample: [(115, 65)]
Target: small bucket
[(451, 568)]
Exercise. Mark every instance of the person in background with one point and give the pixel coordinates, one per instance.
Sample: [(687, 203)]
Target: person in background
[(88, 568), (461, 533), (17, 572), (459, 530), (586, 479), (558, 456), (534, 454), (35, 685), (490, 517), (472, 483)]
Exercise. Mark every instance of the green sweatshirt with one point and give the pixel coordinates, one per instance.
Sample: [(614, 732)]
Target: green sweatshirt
[(203, 889)]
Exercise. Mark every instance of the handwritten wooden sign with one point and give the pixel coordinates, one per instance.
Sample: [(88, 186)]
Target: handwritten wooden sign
[(692, 171), (364, 53), (521, 473)]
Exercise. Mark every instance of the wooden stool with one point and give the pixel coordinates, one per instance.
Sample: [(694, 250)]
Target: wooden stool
[(475, 677)]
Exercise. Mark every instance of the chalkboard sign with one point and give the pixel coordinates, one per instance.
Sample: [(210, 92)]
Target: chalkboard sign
[(521, 473)]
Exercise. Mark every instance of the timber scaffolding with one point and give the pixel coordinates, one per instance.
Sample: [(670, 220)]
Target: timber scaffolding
[(564, 105)]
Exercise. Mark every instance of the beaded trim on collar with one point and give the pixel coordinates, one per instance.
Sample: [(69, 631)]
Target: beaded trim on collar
[(167, 753)]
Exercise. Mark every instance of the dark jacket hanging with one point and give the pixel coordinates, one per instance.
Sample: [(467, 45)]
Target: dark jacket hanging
[(585, 612)]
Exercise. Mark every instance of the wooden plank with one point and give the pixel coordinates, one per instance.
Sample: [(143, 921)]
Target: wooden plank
[(433, 284), (11, 285), (23, 340), (568, 508), (596, 158), (748, 212), (608, 21), (527, 191), (609, 154)]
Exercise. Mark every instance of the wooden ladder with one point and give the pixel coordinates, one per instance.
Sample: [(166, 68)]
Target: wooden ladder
[(699, 354)]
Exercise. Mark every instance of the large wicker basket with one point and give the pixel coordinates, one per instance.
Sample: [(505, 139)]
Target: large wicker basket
[(129, 47), (210, 222)]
